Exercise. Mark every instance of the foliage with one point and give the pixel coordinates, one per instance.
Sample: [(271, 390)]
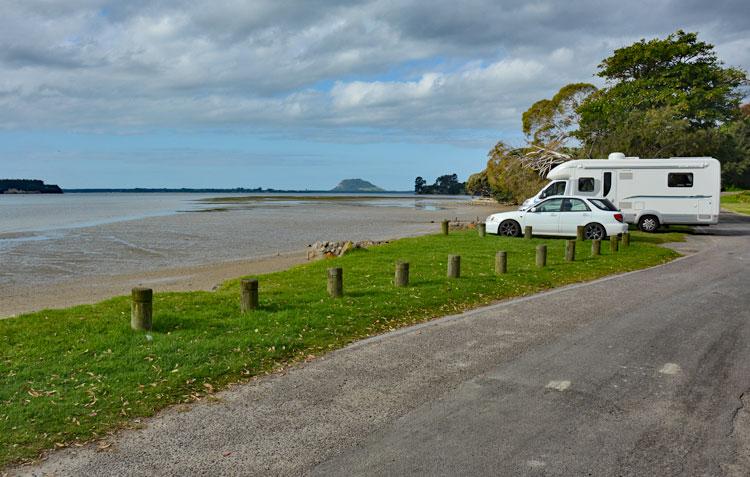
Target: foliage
[(447, 184), (477, 184), (419, 184), (556, 118), (735, 153), (676, 86), (75, 374), (509, 179)]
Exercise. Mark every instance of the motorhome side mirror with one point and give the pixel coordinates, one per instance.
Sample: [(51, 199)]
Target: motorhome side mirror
[(533, 209)]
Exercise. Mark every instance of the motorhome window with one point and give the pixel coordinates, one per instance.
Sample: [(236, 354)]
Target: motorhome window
[(556, 188), (607, 183), (680, 179), (574, 205), (552, 205), (586, 184), (603, 204)]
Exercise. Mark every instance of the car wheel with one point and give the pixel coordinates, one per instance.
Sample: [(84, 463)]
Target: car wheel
[(594, 232), (509, 228), (648, 223)]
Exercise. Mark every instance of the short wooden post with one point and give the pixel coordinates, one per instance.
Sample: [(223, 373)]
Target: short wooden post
[(580, 232), (336, 282), (626, 240), (501, 262), (444, 227), (402, 274), (482, 229), (527, 232), (454, 266), (614, 243), (541, 256), (570, 250), (596, 247), (141, 308), (249, 295)]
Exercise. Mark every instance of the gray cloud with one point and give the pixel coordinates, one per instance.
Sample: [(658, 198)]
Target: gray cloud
[(384, 68)]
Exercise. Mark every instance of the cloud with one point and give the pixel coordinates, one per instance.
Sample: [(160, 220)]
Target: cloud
[(382, 68)]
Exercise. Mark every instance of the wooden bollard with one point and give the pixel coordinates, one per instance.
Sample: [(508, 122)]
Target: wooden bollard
[(541, 256), (402, 274), (482, 229), (614, 242), (626, 240), (444, 227), (580, 232), (336, 282), (527, 232), (141, 308), (249, 295), (454, 266), (570, 250), (501, 262), (596, 247)]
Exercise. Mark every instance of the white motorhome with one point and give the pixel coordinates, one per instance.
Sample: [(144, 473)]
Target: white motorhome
[(650, 192)]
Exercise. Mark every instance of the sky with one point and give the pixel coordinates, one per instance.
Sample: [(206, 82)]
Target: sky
[(301, 94)]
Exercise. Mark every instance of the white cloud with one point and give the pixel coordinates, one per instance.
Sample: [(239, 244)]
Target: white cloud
[(414, 68)]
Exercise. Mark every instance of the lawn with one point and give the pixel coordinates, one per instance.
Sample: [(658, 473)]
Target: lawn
[(737, 202), (72, 375)]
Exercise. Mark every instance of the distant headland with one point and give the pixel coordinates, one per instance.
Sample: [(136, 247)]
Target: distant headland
[(27, 186), (356, 185)]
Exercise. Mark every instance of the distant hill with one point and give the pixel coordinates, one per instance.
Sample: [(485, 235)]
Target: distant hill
[(27, 186), (356, 185)]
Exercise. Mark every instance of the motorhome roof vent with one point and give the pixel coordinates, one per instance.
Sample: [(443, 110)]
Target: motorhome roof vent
[(616, 156)]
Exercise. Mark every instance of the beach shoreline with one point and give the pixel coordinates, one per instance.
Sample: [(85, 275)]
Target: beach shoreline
[(20, 298)]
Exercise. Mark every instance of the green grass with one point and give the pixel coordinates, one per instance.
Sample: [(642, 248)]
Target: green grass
[(72, 375), (739, 202)]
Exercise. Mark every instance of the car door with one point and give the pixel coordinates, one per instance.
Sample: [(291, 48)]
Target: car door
[(544, 217), (574, 212)]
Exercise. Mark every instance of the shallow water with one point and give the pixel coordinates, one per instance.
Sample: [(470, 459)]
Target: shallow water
[(48, 238)]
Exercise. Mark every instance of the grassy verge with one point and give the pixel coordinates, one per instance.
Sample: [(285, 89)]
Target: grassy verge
[(72, 375), (739, 202)]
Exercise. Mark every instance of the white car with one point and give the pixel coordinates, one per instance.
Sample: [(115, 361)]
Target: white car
[(561, 216)]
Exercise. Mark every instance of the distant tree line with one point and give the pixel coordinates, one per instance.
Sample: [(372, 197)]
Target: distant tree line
[(27, 186), (446, 185), (663, 98)]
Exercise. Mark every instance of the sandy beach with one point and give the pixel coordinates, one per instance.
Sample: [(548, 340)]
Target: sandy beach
[(199, 250)]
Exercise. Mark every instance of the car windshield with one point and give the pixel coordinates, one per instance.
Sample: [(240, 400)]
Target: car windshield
[(603, 204)]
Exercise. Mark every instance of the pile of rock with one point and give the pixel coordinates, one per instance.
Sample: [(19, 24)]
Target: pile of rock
[(337, 249)]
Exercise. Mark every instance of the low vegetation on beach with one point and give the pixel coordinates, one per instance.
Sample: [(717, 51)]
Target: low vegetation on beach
[(77, 374), (737, 202)]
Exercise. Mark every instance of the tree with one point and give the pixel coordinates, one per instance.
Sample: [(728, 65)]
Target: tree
[(735, 154), (510, 180), (447, 184), (677, 82), (419, 184), (477, 184), (555, 119)]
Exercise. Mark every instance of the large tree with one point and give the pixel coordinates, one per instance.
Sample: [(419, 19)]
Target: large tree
[(676, 83)]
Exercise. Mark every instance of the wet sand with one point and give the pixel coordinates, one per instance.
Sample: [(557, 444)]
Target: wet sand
[(197, 251)]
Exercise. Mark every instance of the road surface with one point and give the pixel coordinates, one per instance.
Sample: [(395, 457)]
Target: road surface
[(646, 373)]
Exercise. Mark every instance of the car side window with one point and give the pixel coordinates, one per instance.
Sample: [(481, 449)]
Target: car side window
[(552, 205), (574, 205)]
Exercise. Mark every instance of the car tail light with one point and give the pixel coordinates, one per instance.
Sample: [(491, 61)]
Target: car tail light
[(618, 217)]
